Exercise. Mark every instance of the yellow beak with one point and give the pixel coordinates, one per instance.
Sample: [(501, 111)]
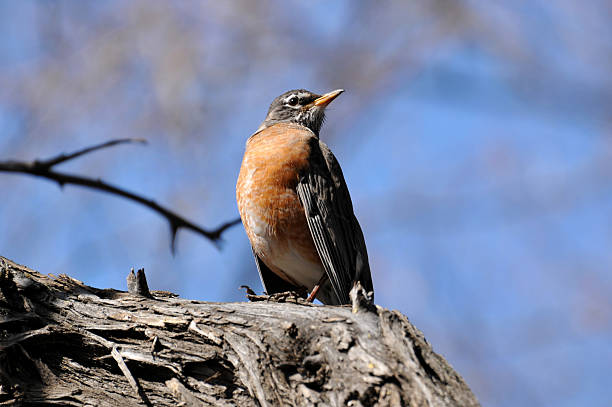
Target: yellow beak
[(328, 98)]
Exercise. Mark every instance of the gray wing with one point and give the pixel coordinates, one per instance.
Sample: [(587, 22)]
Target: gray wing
[(335, 230)]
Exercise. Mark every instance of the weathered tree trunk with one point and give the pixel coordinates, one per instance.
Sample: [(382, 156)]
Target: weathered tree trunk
[(65, 343)]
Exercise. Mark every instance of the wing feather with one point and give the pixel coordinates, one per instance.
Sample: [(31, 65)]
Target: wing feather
[(334, 228)]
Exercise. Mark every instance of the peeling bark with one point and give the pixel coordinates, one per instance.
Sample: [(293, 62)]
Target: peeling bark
[(64, 343)]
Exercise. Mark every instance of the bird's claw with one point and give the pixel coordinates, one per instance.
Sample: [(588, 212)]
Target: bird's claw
[(296, 297)]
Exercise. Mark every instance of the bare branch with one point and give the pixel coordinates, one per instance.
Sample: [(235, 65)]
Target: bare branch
[(43, 169), (65, 157)]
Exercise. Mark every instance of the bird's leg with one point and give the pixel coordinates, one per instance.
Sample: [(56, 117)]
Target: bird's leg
[(315, 289)]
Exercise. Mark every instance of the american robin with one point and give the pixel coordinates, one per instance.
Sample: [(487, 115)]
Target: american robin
[(296, 207)]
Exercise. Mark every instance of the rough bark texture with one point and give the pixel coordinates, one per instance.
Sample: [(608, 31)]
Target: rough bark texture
[(65, 343)]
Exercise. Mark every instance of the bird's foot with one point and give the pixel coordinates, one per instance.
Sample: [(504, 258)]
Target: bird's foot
[(297, 297), (288, 296)]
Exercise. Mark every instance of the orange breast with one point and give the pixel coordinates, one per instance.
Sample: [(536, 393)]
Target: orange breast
[(270, 209)]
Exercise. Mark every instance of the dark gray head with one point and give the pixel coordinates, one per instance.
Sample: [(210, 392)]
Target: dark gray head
[(301, 107)]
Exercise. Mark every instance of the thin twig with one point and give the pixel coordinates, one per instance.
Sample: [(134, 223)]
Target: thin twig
[(65, 157), (128, 375), (44, 169)]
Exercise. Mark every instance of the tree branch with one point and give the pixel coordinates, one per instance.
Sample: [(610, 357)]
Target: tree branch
[(65, 157), (65, 343), (44, 169)]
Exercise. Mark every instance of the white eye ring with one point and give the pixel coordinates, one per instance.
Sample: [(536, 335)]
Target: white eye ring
[(293, 101)]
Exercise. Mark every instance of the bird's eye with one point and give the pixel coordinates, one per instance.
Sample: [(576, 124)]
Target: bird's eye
[(293, 101)]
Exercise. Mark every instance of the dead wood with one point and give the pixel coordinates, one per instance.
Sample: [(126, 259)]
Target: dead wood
[(64, 343)]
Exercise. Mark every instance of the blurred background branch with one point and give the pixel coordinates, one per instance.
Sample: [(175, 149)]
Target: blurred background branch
[(44, 169)]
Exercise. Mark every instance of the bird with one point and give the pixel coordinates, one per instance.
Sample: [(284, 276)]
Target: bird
[(295, 205)]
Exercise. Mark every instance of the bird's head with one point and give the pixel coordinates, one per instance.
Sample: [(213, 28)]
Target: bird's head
[(301, 107)]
